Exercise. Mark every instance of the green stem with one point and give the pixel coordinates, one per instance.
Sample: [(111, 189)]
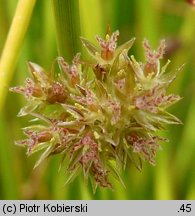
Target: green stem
[(7, 165), (93, 25), (148, 17), (13, 45), (146, 23), (67, 20)]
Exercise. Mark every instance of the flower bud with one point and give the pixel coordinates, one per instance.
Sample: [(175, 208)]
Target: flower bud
[(56, 93)]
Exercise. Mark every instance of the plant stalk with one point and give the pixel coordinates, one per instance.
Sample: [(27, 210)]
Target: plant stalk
[(67, 20), (13, 45)]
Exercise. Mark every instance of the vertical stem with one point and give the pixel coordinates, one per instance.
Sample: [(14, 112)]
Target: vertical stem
[(67, 20), (13, 44), (147, 19), (93, 25), (7, 165)]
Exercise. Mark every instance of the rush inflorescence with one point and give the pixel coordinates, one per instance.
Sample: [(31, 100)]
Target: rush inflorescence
[(99, 115)]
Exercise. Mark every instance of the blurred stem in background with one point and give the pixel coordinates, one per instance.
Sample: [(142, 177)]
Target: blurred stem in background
[(8, 62), (8, 181), (92, 19), (67, 20), (13, 45)]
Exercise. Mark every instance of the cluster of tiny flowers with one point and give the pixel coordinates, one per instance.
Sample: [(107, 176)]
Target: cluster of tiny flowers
[(102, 114)]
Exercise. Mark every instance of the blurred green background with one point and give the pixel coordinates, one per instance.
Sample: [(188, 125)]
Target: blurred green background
[(173, 177)]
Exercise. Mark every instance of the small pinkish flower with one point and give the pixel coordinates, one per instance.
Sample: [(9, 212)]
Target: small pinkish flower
[(56, 93), (71, 70), (115, 108), (31, 89), (153, 100), (146, 147), (153, 57), (108, 46), (87, 99), (35, 138)]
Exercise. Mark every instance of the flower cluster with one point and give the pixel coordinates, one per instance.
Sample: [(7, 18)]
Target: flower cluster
[(100, 115)]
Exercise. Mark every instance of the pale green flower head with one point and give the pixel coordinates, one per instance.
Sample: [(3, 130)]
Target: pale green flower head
[(99, 115)]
